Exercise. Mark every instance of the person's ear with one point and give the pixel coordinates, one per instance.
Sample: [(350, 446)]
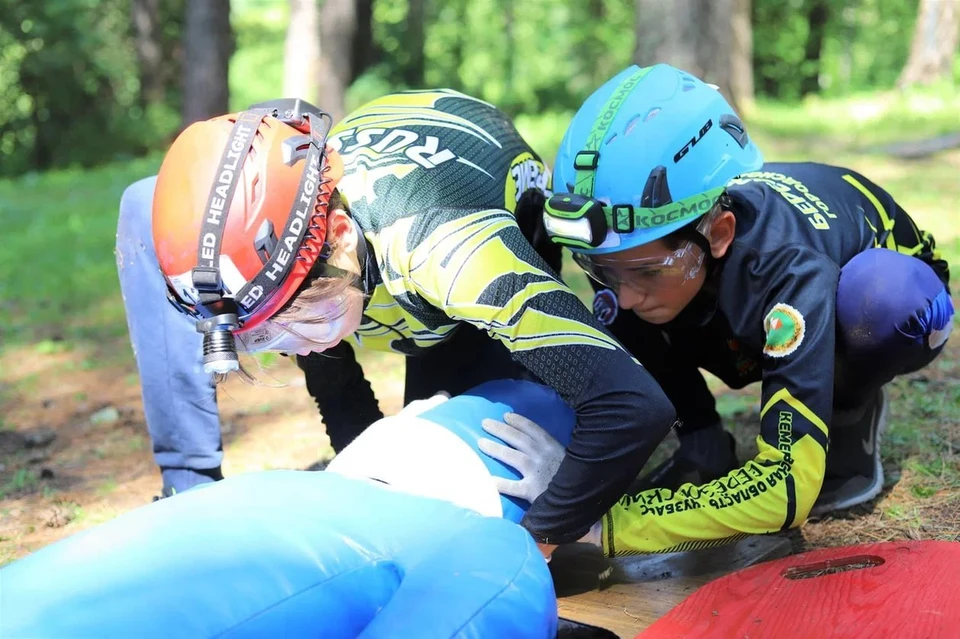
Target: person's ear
[(721, 234), (341, 231)]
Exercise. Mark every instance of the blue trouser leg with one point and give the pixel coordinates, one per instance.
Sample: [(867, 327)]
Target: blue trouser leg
[(179, 399), (893, 317)]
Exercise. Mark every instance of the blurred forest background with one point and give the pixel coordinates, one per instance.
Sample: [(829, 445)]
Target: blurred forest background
[(93, 91), (87, 81)]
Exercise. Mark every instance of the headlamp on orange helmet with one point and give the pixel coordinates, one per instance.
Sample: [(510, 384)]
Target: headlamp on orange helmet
[(280, 263)]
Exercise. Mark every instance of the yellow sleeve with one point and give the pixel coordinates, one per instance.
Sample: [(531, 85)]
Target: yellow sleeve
[(771, 492), (777, 489), (479, 269)]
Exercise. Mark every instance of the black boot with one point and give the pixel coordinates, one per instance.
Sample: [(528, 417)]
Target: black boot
[(854, 472)]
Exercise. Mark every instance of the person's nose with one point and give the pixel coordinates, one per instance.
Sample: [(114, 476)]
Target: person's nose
[(628, 297)]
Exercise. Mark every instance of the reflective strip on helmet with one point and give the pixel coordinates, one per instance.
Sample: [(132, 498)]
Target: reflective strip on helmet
[(587, 174), (686, 209)]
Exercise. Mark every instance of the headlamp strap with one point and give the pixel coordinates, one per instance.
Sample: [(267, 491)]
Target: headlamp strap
[(581, 203), (277, 267), (206, 276), (587, 160)]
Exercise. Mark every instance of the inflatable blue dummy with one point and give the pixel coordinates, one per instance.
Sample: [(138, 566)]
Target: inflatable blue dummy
[(399, 537)]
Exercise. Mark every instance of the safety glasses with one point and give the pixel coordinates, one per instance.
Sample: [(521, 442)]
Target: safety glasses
[(647, 273), (644, 274), (274, 336)]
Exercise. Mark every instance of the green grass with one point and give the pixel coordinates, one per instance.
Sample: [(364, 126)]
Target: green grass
[(864, 120), (63, 281), (23, 479)]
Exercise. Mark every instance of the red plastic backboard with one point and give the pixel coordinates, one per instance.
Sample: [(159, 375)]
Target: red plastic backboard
[(907, 590)]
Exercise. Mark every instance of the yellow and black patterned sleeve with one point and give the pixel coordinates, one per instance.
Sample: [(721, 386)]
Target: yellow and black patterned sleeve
[(478, 268), (775, 490)]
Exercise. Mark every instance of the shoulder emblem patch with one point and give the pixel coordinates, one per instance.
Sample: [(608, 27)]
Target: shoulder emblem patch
[(605, 306), (784, 326)]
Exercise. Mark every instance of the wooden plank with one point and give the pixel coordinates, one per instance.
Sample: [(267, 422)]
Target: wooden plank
[(906, 590), (626, 595)]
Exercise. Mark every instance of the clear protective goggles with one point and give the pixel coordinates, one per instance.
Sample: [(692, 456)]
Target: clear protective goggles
[(644, 274), (271, 335)]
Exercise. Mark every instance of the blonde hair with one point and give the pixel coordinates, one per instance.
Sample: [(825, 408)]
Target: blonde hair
[(301, 308)]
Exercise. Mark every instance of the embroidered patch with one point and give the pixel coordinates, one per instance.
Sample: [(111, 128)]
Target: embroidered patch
[(605, 306), (784, 327)]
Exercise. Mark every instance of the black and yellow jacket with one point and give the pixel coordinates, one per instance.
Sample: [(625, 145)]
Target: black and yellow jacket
[(767, 314), (432, 178)]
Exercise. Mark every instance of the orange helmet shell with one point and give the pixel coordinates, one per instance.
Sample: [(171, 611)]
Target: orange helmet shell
[(253, 222)]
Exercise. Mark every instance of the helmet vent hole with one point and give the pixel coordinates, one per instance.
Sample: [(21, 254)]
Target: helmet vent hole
[(734, 126), (256, 193), (611, 138)]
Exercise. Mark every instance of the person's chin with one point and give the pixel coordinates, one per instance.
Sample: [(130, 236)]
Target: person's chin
[(657, 315)]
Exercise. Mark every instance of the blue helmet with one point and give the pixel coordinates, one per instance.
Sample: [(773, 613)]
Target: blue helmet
[(647, 153)]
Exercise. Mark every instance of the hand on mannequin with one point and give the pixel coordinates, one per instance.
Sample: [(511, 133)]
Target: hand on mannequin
[(531, 451)]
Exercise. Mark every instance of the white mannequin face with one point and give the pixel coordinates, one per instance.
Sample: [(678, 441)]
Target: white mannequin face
[(419, 457)]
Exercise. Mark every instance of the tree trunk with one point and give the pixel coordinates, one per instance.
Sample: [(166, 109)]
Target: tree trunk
[(741, 56), (413, 73), (456, 52), (591, 46), (145, 15), (817, 18), (665, 32), (207, 45), (170, 33), (301, 54), (934, 43), (365, 51), (338, 26), (714, 44), (510, 53), (693, 35)]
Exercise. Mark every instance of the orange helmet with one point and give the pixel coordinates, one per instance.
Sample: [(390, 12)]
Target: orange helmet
[(240, 217)]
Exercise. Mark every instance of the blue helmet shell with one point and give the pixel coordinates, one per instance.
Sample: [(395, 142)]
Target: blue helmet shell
[(669, 119)]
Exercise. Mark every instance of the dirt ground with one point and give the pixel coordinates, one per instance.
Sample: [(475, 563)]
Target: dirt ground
[(74, 449)]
